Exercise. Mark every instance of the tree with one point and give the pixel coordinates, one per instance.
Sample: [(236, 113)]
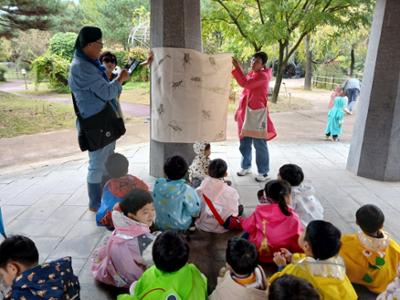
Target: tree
[(28, 45), (287, 22), (115, 18), (346, 48), (26, 14), (71, 20)]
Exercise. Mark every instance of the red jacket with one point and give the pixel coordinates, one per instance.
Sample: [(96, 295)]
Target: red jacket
[(255, 89)]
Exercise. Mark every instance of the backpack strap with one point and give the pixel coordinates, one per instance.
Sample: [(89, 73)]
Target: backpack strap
[(213, 210), (76, 109)]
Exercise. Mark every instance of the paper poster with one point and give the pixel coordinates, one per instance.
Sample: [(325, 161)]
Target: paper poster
[(189, 94)]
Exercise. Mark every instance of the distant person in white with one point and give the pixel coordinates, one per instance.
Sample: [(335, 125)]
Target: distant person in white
[(352, 88)]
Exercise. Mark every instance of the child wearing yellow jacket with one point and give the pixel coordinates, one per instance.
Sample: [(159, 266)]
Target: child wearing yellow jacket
[(320, 264), (371, 256)]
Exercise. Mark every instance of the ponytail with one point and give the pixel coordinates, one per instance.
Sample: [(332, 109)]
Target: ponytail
[(277, 190)]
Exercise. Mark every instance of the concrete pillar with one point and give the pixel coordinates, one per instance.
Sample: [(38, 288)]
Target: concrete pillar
[(176, 24), (375, 147)]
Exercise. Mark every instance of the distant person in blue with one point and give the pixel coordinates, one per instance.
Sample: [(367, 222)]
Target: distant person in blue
[(334, 125), (352, 88), (92, 89)]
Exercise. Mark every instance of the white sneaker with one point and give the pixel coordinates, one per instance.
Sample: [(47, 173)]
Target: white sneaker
[(261, 177), (244, 172)]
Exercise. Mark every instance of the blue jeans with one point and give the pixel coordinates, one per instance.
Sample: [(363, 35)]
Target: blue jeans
[(97, 172), (262, 154), (352, 95)]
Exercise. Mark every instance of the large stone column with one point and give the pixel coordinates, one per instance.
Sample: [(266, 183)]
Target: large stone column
[(375, 146), (176, 24)]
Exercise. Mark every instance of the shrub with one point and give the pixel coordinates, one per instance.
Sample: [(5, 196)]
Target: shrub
[(62, 44), (54, 68)]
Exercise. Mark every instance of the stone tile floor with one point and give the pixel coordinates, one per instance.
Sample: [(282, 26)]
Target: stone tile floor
[(49, 203)]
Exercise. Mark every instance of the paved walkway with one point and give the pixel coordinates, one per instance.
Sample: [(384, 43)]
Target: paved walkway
[(49, 203)]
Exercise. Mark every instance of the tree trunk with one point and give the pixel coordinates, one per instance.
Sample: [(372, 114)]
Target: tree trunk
[(352, 61), (277, 87), (279, 73), (308, 76)]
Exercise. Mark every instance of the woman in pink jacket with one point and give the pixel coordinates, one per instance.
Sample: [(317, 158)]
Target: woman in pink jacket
[(255, 95)]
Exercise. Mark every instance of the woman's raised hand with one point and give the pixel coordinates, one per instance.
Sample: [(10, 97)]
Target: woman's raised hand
[(149, 59), (235, 63)]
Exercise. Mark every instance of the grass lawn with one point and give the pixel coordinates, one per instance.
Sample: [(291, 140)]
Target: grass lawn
[(19, 115), (22, 116)]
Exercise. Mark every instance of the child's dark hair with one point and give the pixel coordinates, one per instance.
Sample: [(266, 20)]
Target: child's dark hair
[(20, 249), (135, 200), (217, 168), (261, 55), (175, 167), (289, 287), (117, 165), (170, 251), (241, 255), (277, 190), (108, 55), (291, 173), (324, 239), (370, 218)]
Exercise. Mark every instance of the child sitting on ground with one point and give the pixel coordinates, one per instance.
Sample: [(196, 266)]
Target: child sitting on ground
[(243, 278), (176, 202), (121, 258), (288, 287), (172, 277), (223, 199), (320, 264), (25, 279), (116, 188), (371, 256), (273, 224), (335, 117), (304, 203), (198, 170)]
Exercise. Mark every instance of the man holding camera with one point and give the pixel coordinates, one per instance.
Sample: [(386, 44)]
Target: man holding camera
[(92, 91)]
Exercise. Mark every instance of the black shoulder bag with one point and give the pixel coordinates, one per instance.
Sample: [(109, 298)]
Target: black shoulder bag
[(99, 130)]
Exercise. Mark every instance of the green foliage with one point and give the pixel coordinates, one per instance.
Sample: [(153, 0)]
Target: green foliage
[(24, 15), (71, 19), (3, 71), (115, 18), (62, 44), (261, 23), (53, 68), (5, 49)]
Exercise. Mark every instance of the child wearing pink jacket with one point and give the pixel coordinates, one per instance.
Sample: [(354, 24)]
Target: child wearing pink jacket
[(125, 255), (224, 198), (274, 224)]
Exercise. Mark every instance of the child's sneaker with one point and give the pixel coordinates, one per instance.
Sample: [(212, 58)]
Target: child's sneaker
[(261, 177), (244, 172)]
